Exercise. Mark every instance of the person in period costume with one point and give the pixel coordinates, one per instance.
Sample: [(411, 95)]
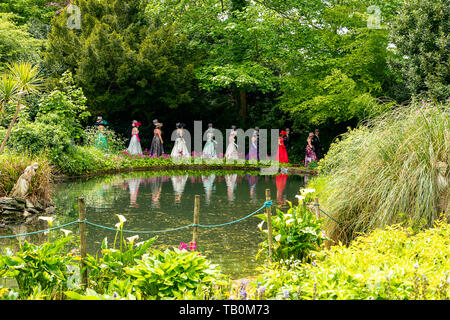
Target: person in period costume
[(232, 151), (310, 150), (100, 142), (208, 184), (156, 188), (209, 151), (134, 148), (133, 186), (287, 138), (282, 156), (180, 150), (280, 181), (230, 180), (156, 149), (253, 152), (317, 146), (178, 183)]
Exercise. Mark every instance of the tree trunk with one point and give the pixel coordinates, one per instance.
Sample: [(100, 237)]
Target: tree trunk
[(3, 105), (10, 127)]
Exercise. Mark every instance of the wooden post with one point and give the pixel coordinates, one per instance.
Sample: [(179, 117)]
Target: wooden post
[(196, 218), (316, 208), (269, 223), (82, 218)]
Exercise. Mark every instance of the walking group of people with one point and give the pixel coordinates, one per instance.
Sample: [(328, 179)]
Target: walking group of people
[(180, 150)]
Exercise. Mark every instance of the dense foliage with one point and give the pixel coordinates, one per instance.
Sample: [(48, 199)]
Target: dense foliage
[(395, 168)]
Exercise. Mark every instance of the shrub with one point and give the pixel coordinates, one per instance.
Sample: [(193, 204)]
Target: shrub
[(393, 168), (173, 273), (295, 233), (44, 268), (116, 143), (391, 263)]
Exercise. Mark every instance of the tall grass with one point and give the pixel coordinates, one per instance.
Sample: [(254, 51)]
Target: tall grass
[(390, 170), (12, 165)]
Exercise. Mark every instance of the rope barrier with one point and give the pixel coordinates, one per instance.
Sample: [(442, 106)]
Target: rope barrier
[(40, 231), (317, 205), (266, 204)]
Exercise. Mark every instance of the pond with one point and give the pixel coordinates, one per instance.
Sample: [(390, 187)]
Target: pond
[(165, 200)]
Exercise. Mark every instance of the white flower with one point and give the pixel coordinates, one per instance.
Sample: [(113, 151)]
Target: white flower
[(133, 238), (306, 191), (278, 237), (48, 219), (289, 222), (300, 198), (121, 221), (66, 232), (260, 225)]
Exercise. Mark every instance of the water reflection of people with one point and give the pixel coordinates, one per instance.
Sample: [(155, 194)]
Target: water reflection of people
[(230, 180), (252, 181), (208, 184), (133, 186), (178, 183), (280, 181), (156, 187)]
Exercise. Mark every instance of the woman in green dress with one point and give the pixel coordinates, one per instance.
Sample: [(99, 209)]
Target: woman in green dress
[(100, 142)]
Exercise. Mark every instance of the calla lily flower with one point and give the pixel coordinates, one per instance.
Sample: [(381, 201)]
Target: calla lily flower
[(306, 191), (121, 221), (48, 219), (300, 198), (133, 238), (66, 232)]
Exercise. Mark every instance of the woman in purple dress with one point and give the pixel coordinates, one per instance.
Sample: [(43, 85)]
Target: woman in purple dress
[(310, 153)]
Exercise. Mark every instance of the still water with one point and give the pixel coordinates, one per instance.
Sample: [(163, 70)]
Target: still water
[(165, 200)]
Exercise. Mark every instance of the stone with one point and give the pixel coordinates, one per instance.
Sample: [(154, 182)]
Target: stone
[(29, 204), (21, 200)]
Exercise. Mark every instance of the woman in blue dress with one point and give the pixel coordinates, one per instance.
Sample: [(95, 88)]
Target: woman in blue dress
[(209, 151)]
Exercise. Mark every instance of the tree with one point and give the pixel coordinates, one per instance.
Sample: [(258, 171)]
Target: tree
[(26, 76), (16, 43), (422, 40), (127, 65), (8, 89)]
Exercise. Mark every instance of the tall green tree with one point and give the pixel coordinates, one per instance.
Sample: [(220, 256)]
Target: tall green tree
[(421, 34), (126, 64)]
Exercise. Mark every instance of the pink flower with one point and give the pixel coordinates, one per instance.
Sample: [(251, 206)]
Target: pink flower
[(183, 246), (192, 246)]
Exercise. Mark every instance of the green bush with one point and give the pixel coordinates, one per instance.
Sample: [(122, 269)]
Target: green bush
[(391, 263), (392, 169), (173, 274), (295, 233), (39, 269)]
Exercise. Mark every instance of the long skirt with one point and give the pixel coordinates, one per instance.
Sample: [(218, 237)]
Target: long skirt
[(282, 154), (231, 153), (156, 149), (209, 151), (180, 150), (135, 146)]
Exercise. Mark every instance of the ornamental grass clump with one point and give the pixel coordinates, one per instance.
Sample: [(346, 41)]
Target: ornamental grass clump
[(390, 170)]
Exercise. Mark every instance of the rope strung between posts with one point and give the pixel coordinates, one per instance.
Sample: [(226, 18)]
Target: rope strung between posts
[(266, 204), (40, 231), (317, 205)]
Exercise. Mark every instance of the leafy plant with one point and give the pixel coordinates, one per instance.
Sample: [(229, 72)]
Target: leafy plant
[(173, 273), (295, 234)]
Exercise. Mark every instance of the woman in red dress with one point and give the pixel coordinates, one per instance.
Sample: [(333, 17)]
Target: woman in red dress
[(282, 153)]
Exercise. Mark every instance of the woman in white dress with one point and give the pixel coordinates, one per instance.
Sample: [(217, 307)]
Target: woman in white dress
[(209, 151), (135, 143), (178, 183), (232, 152), (180, 150)]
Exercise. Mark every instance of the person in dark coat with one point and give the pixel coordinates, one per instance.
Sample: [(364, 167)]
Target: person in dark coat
[(316, 143)]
